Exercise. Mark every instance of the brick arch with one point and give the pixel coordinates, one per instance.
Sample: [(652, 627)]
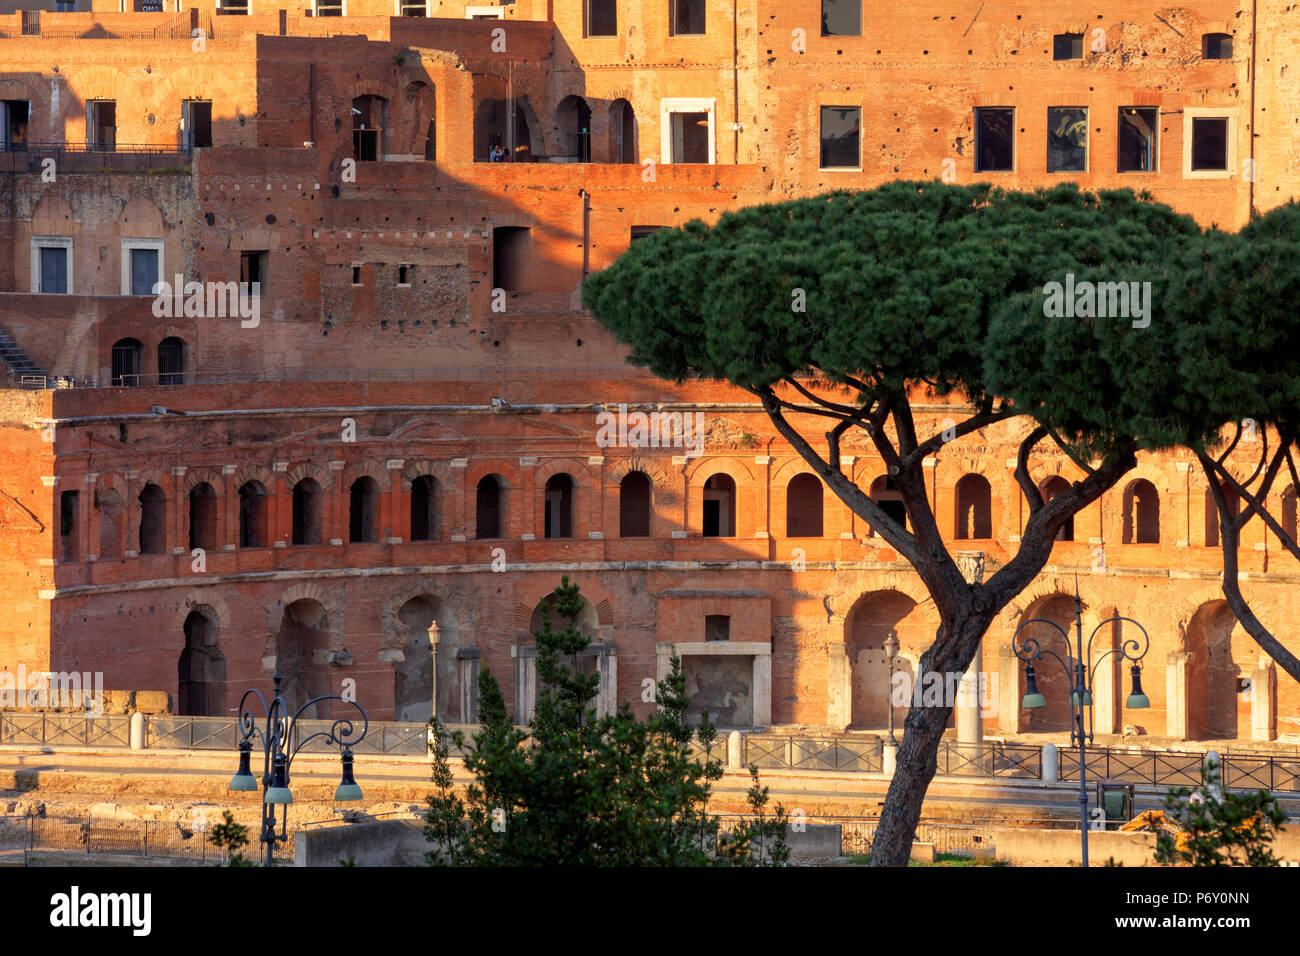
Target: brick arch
[(368, 468), (842, 602), (154, 476), (591, 589), (1054, 468), (573, 467), (200, 598), (112, 481), (1151, 472), (196, 476), (438, 470), (52, 214), (331, 601), (307, 469), (477, 471), (705, 468), (461, 607), (194, 83), (647, 466), (786, 471), (254, 472), (1044, 586), (99, 83), (142, 219), (1187, 607), (968, 465)]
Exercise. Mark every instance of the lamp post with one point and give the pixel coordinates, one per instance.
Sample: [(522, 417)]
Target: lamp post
[(279, 751), (1081, 681), (891, 651)]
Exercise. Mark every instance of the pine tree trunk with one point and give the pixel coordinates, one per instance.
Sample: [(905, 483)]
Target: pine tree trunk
[(917, 756)]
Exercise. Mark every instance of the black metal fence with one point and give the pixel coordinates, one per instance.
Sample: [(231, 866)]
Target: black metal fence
[(45, 729), (814, 752), (1168, 768), (58, 158), (68, 841)]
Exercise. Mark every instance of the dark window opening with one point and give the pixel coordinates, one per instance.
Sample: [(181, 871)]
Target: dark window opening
[(1212, 514), (884, 492), (717, 627), (642, 232), (403, 275), (841, 137), (502, 133), (803, 507), (144, 270), (424, 508), (171, 361), (126, 359), (974, 508), (602, 18), (623, 128), (234, 7), (196, 120), (153, 520), (102, 131), (994, 139), (690, 137), (1210, 142), (416, 9), (54, 269), (1067, 139), (14, 115), (1141, 513), (1050, 489), (68, 525), (841, 18), (719, 507), (688, 17), (307, 501), (1137, 139), (574, 118), (363, 511), (634, 505), (367, 126), (252, 269), (1216, 46), (356, 275), (203, 517), (1067, 46), (252, 515), (510, 247), (559, 506), (489, 508), (329, 8)]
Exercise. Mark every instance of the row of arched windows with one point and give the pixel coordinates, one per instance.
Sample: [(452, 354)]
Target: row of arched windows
[(127, 359), (804, 511)]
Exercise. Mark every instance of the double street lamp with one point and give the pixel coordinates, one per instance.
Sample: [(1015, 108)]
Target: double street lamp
[(1029, 649), (279, 751)]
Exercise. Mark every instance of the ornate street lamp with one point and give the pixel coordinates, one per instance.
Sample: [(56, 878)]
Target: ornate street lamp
[(891, 651), (279, 751), (1081, 684)]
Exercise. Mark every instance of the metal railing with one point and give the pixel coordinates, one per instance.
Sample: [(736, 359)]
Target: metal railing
[(50, 840), (1244, 770), (814, 753), (343, 376), (1167, 768), (990, 759), (191, 733), (91, 157), (51, 729)]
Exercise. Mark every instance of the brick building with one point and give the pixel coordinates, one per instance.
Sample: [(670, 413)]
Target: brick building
[(379, 468)]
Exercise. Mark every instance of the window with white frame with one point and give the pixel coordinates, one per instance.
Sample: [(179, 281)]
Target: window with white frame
[(688, 130), (330, 8), (52, 264), (142, 265), (1209, 143)]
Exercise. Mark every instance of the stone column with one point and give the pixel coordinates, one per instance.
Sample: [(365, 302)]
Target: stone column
[(229, 510), (762, 688), (1176, 695), (970, 728), (839, 687), (178, 540), (336, 507), (525, 656), (1008, 690), (525, 508), (1263, 700), (399, 518), (1105, 699), (456, 501), (607, 692)]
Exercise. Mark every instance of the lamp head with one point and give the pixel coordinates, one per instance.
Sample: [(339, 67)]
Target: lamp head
[(1032, 699), (243, 780), (279, 790), (1137, 700), (348, 790)]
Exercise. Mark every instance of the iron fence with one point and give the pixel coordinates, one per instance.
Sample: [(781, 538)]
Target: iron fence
[(1255, 771), (814, 753), (49, 729), (1167, 768), (49, 840), (93, 158), (990, 759), (191, 733)]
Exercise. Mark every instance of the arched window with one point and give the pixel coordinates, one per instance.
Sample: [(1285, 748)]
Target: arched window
[(974, 508), (622, 130), (153, 520), (1141, 513), (368, 116), (201, 670), (720, 507), (252, 515), (203, 517), (424, 508), (306, 511), (363, 510), (1050, 489), (885, 493), (634, 505), (489, 507), (803, 507), (1212, 514), (126, 357), (68, 526), (559, 506), (573, 117), (171, 361)]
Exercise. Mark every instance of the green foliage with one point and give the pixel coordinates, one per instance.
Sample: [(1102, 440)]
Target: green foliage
[(350, 861), (585, 790), (1235, 829), (756, 841), (230, 837)]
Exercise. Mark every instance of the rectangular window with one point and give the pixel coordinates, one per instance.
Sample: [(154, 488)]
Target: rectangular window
[(196, 123), (1210, 143), (688, 18), (403, 275), (995, 139), (252, 268), (142, 265), (413, 8), (510, 246), (841, 18), (1137, 139), (1067, 46), (690, 132), (641, 232), (1067, 139), (841, 137), (717, 627), (52, 264), (356, 275), (13, 124), (329, 8), (101, 127), (68, 525), (65, 6), (1216, 46), (602, 18), (234, 7)]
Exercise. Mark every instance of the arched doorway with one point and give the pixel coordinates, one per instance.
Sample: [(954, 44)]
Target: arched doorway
[(1053, 682), (874, 617), (301, 646), (622, 130), (428, 675), (1213, 677), (201, 670)]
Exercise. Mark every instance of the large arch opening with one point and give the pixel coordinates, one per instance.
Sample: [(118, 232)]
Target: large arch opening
[(803, 507), (884, 492), (623, 132), (974, 508), (252, 515), (573, 128), (203, 517), (1053, 682), (363, 510), (1141, 513), (153, 519), (1049, 489), (634, 496), (1213, 677), (559, 506), (489, 507), (719, 503), (428, 676), (307, 506), (873, 618), (110, 506), (425, 508), (201, 669), (302, 645)]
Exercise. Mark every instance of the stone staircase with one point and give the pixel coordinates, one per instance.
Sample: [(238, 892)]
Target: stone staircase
[(23, 372)]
